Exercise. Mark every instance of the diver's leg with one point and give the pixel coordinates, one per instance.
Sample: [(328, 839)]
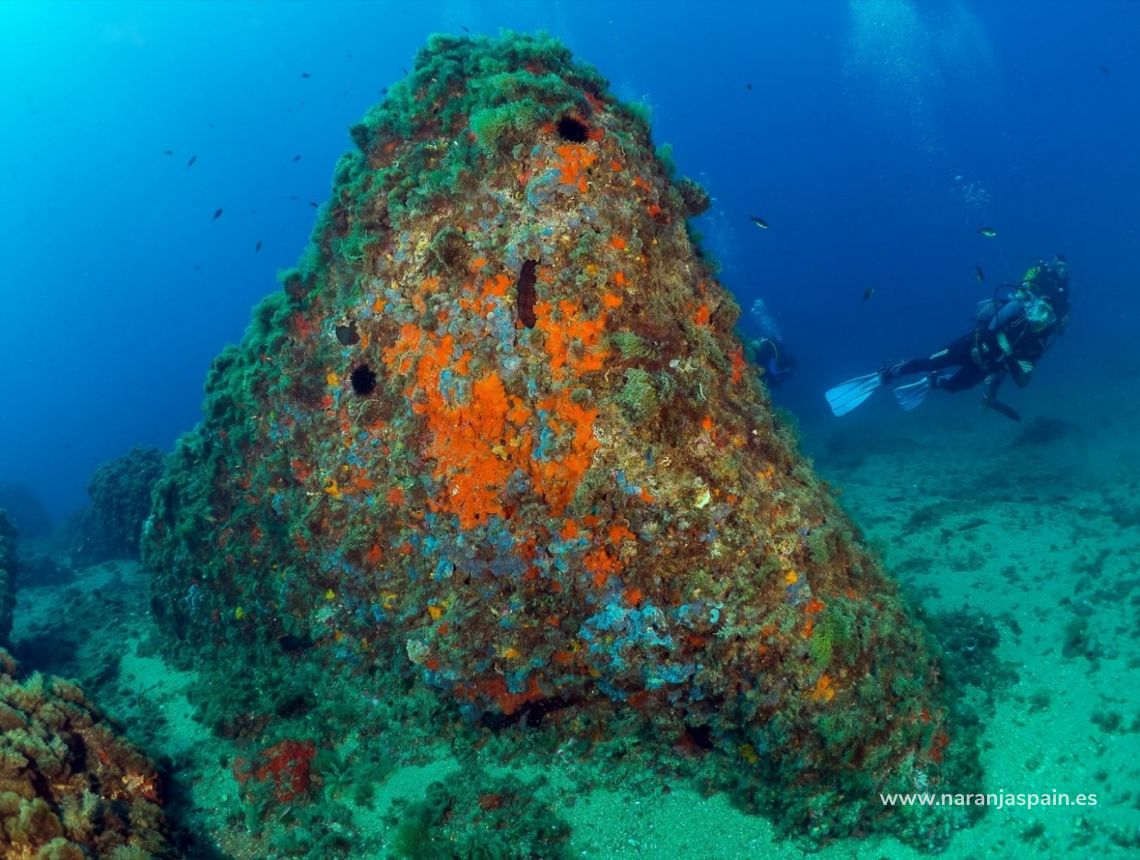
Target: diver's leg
[(954, 354), (966, 377)]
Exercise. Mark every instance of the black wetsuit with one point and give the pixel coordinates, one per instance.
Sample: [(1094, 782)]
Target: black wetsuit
[(1005, 343), (958, 353)]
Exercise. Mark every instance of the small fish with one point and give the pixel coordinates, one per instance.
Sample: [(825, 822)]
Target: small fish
[(198, 267), (217, 214), (296, 158), (1104, 70), (168, 152), (314, 204), (257, 247), (305, 75), (980, 274), (988, 232), (190, 163), (748, 87), (867, 293), (464, 29), (759, 222)]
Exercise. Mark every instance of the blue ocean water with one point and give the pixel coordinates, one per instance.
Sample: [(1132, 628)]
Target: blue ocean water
[(874, 137)]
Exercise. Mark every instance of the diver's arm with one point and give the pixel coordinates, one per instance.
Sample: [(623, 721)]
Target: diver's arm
[(1008, 313), (990, 401)]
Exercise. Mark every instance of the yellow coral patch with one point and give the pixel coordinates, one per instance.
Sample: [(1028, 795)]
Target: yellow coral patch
[(823, 691)]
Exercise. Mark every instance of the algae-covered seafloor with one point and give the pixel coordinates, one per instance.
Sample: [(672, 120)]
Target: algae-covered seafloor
[(490, 544)]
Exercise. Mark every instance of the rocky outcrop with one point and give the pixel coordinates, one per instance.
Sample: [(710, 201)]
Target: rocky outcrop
[(111, 526), (496, 434)]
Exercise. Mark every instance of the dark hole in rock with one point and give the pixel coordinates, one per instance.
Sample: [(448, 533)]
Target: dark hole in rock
[(363, 380), (295, 706), (700, 736), (535, 711), (524, 293), (291, 643), (495, 721), (347, 334), (573, 130)]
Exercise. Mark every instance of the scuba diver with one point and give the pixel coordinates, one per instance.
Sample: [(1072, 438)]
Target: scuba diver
[(773, 359), (768, 351), (1012, 330)]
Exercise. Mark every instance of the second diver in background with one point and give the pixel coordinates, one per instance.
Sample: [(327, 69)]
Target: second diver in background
[(1012, 330), (773, 358), (768, 351)]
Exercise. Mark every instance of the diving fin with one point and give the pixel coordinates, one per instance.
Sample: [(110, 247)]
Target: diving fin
[(910, 396), (846, 396), (1008, 411)]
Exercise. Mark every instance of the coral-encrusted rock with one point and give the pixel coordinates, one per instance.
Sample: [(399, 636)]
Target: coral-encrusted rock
[(7, 577), (69, 788), (497, 431), (111, 526)]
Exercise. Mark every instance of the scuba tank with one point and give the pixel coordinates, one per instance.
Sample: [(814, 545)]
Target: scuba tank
[(988, 308)]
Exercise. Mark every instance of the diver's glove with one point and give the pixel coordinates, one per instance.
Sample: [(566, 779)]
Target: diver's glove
[(1021, 371)]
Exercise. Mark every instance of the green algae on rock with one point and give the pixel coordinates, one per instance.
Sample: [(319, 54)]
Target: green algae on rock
[(496, 435), (111, 525), (475, 814)]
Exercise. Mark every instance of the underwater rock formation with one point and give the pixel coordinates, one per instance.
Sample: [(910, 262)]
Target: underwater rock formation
[(496, 432), (110, 527), (7, 577), (69, 788), (39, 569)]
